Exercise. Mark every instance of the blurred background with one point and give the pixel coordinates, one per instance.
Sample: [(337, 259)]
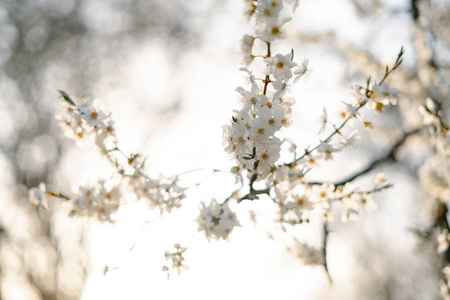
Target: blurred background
[(167, 70)]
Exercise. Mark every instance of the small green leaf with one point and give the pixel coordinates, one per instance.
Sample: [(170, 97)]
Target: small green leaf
[(66, 97)]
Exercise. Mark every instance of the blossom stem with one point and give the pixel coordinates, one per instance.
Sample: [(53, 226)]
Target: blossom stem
[(253, 194), (59, 195), (267, 80)]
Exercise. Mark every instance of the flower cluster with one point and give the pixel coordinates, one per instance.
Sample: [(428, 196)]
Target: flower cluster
[(87, 122), (162, 193), (216, 220), (100, 200), (254, 139), (297, 203), (177, 260), (251, 138)]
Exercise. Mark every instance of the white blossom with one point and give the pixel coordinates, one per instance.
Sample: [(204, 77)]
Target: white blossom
[(216, 220), (323, 120), (177, 260), (384, 93), (38, 196), (279, 66), (300, 71), (271, 29), (327, 150)]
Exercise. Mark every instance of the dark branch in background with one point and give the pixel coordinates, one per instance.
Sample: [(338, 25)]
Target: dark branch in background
[(441, 221), (437, 90), (326, 232), (388, 157), (414, 10)]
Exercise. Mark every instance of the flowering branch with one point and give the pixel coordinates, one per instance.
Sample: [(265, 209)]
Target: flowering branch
[(253, 139)]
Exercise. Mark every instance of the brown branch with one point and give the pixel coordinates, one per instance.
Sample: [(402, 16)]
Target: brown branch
[(390, 156), (326, 232)]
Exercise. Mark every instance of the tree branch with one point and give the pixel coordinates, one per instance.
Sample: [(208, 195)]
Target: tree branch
[(324, 250), (390, 156)]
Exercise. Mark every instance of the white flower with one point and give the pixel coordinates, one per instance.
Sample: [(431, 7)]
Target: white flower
[(249, 9), (236, 138), (281, 87), (92, 112), (83, 204), (275, 176), (269, 8), (323, 193), (246, 49), (349, 214), (350, 142), (429, 112), (380, 179), (384, 92), (299, 204), (323, 119), (301, 70), (164, 193), (106, 138), (350, 110), (268, 156), (270, 29), (216, 220), (276, 121), (327, 150), (38, 196), (280, 66), (260, 135), (368, 203), (177, 260)]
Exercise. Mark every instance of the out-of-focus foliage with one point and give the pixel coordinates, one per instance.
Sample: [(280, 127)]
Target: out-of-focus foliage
[(422, 27), (46, 45)]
